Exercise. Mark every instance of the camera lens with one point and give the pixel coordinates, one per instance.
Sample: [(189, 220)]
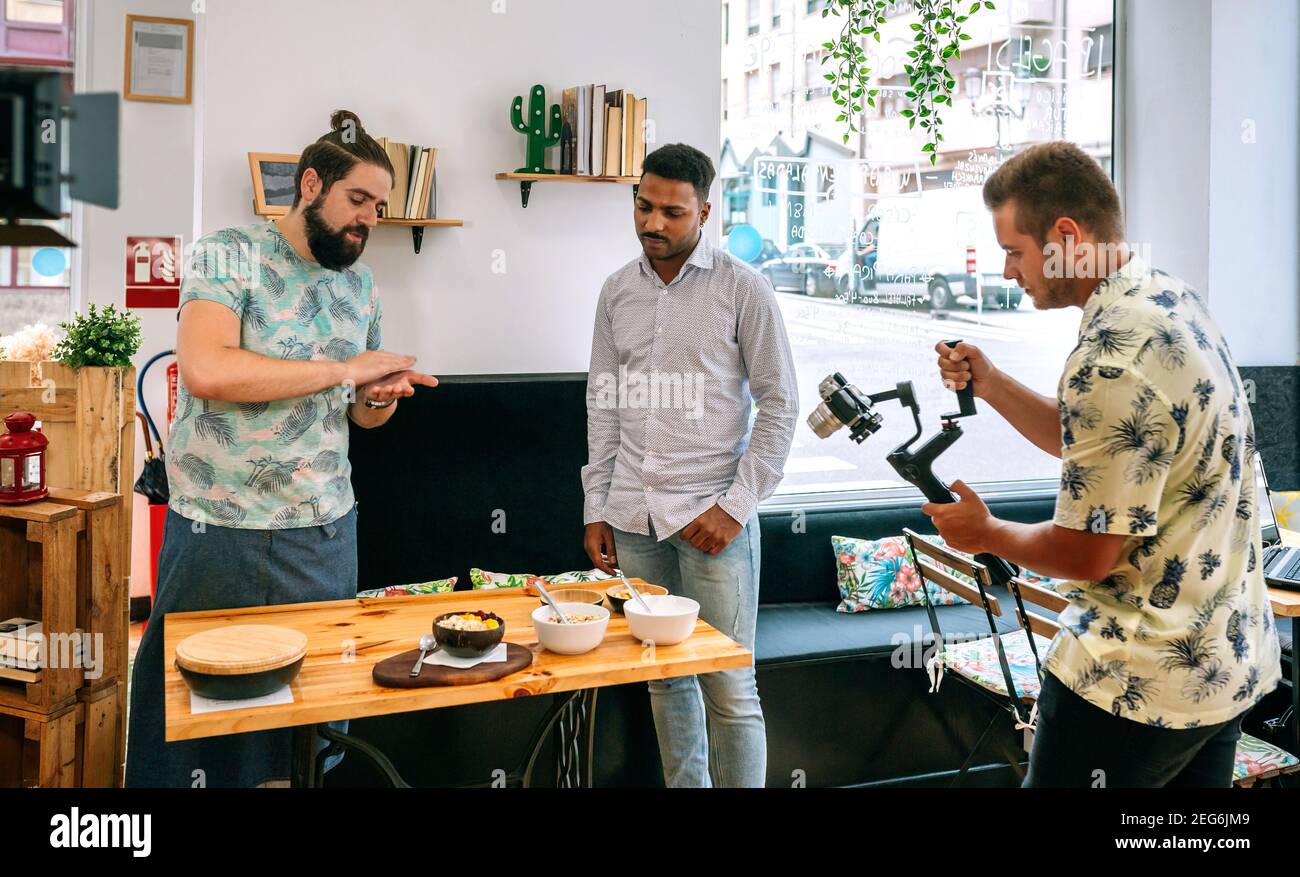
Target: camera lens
[(823, 421)]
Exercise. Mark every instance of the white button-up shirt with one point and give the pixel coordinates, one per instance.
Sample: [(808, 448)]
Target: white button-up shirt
[(676, 370)]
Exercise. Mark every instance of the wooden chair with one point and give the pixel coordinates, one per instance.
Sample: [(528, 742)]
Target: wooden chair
[(994, 665), (1257, 761)]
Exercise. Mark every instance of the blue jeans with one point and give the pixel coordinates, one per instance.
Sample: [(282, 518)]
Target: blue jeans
[(734, 751), (227, 568), (1080, 745)]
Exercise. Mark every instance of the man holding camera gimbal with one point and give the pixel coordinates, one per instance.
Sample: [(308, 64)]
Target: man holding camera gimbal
[(1168, 638)]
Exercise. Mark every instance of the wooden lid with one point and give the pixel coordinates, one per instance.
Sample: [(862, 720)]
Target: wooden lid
[(241, 648)]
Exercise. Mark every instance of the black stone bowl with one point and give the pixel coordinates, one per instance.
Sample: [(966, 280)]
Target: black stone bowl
[(469, 643), (240, 686)]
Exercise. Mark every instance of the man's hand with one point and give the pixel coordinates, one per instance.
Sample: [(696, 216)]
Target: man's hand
[(598, 539), (712, 531), (965, 525), (965, 364), (370, 366), (397, 385)]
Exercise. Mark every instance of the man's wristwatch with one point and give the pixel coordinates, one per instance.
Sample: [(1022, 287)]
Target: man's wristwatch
[(370, 403)]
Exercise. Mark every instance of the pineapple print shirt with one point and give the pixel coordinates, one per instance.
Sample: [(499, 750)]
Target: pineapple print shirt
[(271, 465), (1157, 445)]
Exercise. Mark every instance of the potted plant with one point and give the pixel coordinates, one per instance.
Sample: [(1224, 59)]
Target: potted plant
[(79, 383)]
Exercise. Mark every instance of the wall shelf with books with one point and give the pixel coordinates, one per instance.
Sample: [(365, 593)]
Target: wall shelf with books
[(412, 203), (601, 133), (526, 181)]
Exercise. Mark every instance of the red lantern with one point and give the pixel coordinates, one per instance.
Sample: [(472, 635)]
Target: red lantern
[(22, 460)]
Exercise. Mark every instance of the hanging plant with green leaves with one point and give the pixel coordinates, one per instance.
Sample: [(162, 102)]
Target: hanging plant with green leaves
[(938, 37)]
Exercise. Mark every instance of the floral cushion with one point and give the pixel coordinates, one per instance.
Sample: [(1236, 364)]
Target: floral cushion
[(484, 580), (978, 661), (440, 586), (878, 574), (1257, 760)]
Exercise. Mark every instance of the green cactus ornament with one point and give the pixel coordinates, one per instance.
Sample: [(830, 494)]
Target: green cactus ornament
[(534, 128)]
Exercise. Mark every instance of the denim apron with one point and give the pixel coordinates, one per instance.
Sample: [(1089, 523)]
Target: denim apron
[(225, 568)]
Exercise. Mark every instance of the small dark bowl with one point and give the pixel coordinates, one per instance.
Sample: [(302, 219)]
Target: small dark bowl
[(469, 643), (241, 686)]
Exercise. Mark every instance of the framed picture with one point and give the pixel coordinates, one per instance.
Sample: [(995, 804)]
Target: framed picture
[(273, 188), (159, 59)]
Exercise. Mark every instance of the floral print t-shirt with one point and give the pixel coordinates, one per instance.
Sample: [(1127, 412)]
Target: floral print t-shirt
[(1157, 445), (271, 465)]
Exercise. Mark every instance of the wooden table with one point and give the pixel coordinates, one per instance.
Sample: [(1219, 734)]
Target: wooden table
[(346, 638)]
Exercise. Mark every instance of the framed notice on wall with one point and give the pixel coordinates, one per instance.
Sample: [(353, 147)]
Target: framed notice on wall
[(159, 59)]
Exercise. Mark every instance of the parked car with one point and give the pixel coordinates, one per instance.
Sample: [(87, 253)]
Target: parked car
[(804, 268)]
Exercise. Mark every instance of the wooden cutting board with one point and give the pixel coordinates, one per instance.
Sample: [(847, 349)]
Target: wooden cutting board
[(395, 672), (241, 648)]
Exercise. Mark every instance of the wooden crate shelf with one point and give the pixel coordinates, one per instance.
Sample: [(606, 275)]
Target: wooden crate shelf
[(39, 750), (99, 736), (38, 580), (89, 416), (60, 563)]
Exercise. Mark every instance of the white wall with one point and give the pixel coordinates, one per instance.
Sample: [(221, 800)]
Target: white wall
[(158, 161), (444, 73), (1217, 211)]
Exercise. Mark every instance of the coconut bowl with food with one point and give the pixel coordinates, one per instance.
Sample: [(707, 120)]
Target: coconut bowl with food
[(469, 634)]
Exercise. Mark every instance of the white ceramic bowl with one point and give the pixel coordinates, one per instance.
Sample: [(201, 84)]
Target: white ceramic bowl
[(570, 639), (672, 619)]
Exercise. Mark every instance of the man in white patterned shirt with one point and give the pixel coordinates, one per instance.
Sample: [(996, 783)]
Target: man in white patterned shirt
[(687, 339), (1168, 639)]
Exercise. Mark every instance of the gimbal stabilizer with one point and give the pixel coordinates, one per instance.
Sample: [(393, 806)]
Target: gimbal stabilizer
[(845, 405)]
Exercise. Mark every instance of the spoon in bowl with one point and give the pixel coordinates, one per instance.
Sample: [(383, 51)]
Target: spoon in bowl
[(550, 601), (636, 595)]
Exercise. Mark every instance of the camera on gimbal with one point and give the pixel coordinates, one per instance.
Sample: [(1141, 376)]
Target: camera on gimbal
[(843, 404)]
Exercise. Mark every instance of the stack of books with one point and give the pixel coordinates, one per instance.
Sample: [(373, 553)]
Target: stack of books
[(415, 184), (24, 651), (603, 132)]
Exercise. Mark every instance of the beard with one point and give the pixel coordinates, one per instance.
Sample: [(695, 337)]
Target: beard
[(331, 247), (1052, 293)]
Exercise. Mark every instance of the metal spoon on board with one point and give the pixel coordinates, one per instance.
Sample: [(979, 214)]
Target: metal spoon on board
[(428, 643)]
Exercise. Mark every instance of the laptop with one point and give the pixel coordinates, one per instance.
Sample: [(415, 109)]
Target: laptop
[(1281, 564)]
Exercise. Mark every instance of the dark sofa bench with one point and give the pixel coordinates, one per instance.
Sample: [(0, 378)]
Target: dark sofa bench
[(430, 485)]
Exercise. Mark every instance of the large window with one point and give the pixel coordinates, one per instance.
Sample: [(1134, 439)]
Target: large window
[(876, 254), (35, 283)]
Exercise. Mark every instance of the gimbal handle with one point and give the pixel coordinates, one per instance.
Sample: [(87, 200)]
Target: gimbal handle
[(965, 396), (916, 468)]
